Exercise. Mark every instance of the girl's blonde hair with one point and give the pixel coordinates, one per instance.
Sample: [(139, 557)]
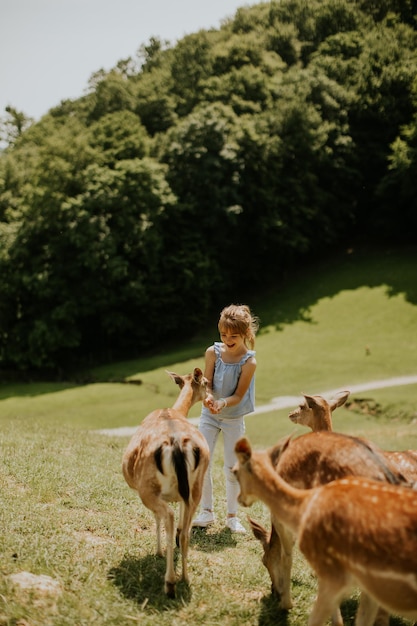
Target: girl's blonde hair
[(238, 318)]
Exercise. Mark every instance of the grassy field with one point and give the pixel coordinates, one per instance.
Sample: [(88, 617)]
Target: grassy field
[(66, 512)]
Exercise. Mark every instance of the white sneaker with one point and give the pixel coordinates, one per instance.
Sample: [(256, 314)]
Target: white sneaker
[(235, 526), (205, 518)]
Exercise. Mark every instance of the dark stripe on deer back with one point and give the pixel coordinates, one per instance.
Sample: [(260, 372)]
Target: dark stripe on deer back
[(391, 477)]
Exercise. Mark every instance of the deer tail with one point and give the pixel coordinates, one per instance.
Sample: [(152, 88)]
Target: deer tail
[(179, 460), (183, 457)]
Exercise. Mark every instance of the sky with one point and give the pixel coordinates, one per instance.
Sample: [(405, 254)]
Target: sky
[(50, 48)]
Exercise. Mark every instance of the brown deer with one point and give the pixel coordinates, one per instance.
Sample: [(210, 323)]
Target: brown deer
[(316, 413), (352, 531), (166, 461), (310, 461), (305, 462)]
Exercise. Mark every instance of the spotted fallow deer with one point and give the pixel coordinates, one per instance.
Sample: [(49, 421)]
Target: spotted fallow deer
[(311, 461), (166, 461), (352, 531), (305, 462), (315, 412)]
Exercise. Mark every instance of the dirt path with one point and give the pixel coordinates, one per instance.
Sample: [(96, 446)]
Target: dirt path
[(287, 402)]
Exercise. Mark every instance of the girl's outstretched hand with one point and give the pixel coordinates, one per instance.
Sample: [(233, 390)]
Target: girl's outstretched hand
[(208, 402), (214, 406), (217, 406)]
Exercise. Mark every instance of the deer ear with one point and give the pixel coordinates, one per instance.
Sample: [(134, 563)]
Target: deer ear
[(176, 378), (311, 402), (339, 399), (243, 450), (198, 374), (259, 532)]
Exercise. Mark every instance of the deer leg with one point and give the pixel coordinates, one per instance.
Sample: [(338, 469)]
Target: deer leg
[(158, 535), (382, 617), (337, 619), (180, 524), (367, 611), (186, 515), (170, 571), (285, 565), (329, 596)]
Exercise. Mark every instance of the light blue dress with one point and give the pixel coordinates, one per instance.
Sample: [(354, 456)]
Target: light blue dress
[(225, 381)]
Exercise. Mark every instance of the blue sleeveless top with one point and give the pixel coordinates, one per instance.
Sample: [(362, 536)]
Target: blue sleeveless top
[(225, 379)]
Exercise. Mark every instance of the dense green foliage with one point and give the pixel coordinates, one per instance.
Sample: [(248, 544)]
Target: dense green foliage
[(189, 175)]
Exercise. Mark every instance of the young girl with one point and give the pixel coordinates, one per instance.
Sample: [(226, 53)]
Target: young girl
[(230, 369)]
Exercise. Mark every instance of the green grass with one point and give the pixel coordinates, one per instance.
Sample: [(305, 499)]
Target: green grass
[(66, 511)]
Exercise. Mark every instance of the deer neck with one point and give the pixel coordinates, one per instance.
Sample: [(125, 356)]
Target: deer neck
[(184, 401), (328, 422), (324, 422), (284, 501)]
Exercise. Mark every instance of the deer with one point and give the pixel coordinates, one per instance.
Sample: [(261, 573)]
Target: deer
[(353, 531), (311, 460), (315, 412), (165, 461), (305, 462)]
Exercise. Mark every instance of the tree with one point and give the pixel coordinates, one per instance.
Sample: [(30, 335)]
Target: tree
[(200, 152), (397, 217), (13, 125), (296, 174), (194, 171), (77, 268), (155, 105), (119, 136), (190, 63), (112, 92), (383, 84), (150, 56)]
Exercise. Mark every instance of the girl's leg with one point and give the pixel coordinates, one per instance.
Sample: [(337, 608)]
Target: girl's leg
[(210, 429), (232, 429)]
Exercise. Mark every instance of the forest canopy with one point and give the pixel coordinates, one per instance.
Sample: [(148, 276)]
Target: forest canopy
[(192, 172)]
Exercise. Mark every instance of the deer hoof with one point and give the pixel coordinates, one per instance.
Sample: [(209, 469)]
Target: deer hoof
[(170, 589), (286, 605)]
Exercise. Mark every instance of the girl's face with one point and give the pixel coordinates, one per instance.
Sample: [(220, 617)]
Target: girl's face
[(233, 341)]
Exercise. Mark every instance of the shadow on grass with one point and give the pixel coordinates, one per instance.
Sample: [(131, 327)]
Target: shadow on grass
[(347, 270), (349, 608), (208, 540), (271, 613), (142, 580)]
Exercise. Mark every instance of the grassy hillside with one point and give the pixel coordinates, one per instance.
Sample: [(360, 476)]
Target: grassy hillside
[(67, 513), (348, 320)]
